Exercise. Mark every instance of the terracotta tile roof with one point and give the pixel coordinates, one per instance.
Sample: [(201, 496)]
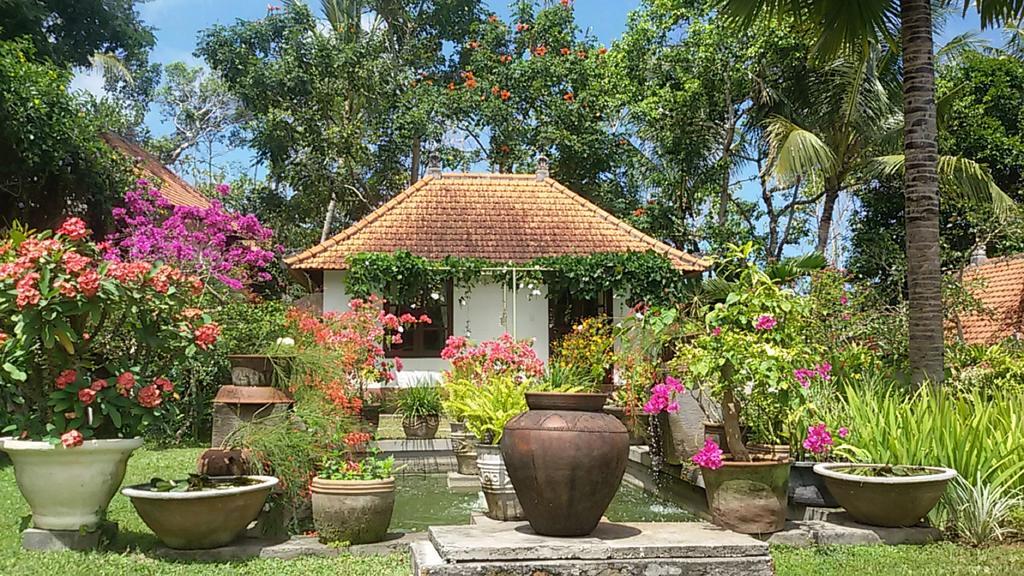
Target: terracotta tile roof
[(172, 187), (498, 217), (998, 284)]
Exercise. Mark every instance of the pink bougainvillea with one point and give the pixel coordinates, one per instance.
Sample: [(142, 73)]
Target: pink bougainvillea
[(502, 356), (662, 397), (208, 242), (765, 322), (710, 456), (819, 440)]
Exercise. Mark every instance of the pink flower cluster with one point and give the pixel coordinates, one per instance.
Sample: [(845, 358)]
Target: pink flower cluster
[(503, 355), (765, 322), (210, 242), (710, 456), (819, 440), (805, 376), (661, 397)]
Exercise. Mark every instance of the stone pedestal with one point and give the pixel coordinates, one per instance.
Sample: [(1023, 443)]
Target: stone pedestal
[(626, 549), (463, 483), (235, 405), (41, 540)]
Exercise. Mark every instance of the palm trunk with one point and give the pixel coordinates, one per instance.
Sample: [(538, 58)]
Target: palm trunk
[(329, 218), (414, 164), (921, 189), (825, 224)]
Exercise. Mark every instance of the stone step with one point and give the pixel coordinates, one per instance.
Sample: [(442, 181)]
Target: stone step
[(462, 483)]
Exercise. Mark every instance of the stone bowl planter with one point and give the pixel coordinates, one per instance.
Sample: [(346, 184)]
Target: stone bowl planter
[(500, 494), (807, 488), (69, 488), (748, 497), (892, 501), (566, 458), (421, 427), (201, 519), (353, 511)]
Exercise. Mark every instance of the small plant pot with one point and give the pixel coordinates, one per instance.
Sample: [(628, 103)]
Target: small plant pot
[(502, 502), (202, 519), (353, 511), (256, 369), (809, 489), (420, 427), (464, 447), (885, 501), (748, 497), (69, 488)]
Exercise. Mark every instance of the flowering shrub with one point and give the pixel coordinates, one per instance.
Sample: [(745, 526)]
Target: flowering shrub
[(663, 397), (211, 242), (61, 376), (589, 347), (502, 356)]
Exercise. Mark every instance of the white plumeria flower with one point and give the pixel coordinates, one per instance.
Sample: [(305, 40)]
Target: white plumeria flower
[(286, 341), (435, 296), (535, 292)]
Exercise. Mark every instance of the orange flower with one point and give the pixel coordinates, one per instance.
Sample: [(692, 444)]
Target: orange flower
[(566, 3), (540, 50), (505, 95), (565, 51), (602, 50), (492, 18), (638, 212), (473, 45), (451, 86), (522, 27), (495, 89), (505, 58), (581, 54), (568, 97), (471, 83)]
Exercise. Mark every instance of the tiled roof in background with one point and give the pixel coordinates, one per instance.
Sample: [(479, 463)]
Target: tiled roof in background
[(998, 284), (172, 187), (498, 217)]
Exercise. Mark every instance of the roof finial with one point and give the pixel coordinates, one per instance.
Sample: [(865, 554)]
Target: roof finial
[(979, 255), (434, 165), (543, 170)]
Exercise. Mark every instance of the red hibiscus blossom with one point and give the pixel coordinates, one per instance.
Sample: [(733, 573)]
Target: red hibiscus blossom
[(72, 438), (86, 396), (73, 228), (540, 50), (149, 397)]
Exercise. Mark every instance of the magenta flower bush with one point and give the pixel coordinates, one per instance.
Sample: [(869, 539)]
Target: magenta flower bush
[(212, 243), (663, 397), (710, 456), (819, 440)]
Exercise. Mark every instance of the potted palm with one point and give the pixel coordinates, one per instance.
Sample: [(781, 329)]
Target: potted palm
[(420, 406), (85, 345), (353, 497), (565, 456)]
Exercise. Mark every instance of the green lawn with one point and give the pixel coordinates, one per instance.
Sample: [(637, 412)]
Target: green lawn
[(135, 539)]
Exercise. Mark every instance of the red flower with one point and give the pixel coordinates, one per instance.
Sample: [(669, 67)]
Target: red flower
[(3, 338), (357, 438), (206, 335), (565, 51), (125, 383), (473, 45), (568, 97), (64, 378), (451, 86), (72, 438), (505, 95), (98, 385), (520, 27), (67, 289), (149, 397), (163, 384), (73, 228), (566, 3), (505, 58), (602, 50), (28, 294), (581, 54), (540, 50), (89, 283), (74, 262), (398, 364), (638, 212), (492, 18), (425, 319), (86, 396)]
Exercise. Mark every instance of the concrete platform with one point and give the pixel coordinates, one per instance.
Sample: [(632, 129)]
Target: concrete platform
[(294, 547), (840, 530), (463, 483), (623, 549), (41, 540)]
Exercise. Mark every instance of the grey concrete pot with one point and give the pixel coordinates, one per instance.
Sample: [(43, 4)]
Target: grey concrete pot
[(203, 519), (353, 511), (807, 488), (502, 502), (885, 501)]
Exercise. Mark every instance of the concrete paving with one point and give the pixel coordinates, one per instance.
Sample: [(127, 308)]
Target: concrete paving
[(513, 549), (294, 547), (839, 530)]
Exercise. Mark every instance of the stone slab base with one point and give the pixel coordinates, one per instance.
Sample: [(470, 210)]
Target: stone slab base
[(463, 483), (840, 530), (294, 547), (623, 549), (42, 540)]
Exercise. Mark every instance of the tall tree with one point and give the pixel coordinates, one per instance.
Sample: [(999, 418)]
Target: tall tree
[(851, 25)]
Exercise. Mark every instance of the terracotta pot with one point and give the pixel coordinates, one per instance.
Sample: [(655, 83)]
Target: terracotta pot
[(464, 446), (748, 497), (69, 488), (769, 451), (807, 488), (256, 369), (353, 511), (502, 503), (203, 519), (566, 458), (421, 427), (880, 501)]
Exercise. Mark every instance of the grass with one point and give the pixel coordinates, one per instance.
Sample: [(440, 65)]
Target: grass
[(128, 553)]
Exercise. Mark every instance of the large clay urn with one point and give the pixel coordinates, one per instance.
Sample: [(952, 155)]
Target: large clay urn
[(565, 457)]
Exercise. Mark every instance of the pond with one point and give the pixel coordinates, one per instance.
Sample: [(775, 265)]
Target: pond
[(423, 500)]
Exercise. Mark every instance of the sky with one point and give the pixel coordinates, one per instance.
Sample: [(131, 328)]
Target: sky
[(178, 23)]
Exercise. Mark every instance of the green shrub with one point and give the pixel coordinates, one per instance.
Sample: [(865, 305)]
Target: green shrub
[(422, 399)]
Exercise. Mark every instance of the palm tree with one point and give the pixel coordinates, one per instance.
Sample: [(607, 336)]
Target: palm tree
[(851, 26)]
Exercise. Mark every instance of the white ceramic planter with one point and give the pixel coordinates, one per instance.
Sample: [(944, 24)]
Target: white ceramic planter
[(69, 488), (502, 502)]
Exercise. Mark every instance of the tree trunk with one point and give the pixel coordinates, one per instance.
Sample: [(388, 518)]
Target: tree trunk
[(414, 168), (731, 419), (329, 218), (825, 224), (725, 193), (921, 189)]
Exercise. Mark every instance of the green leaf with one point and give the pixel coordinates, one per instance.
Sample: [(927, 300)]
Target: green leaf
[(16, 373)]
